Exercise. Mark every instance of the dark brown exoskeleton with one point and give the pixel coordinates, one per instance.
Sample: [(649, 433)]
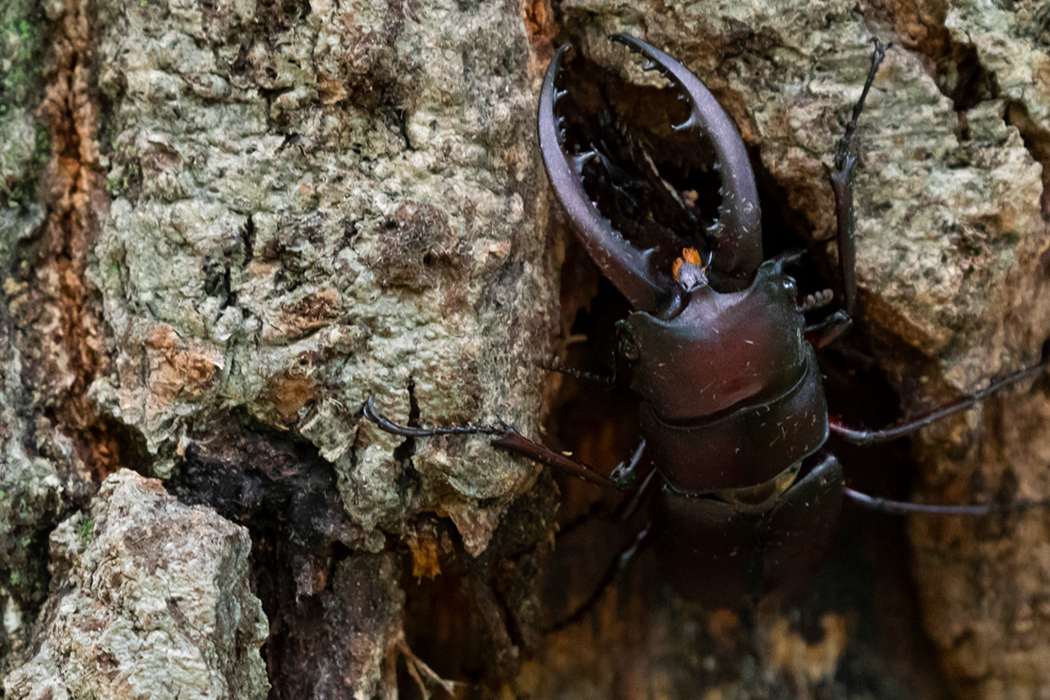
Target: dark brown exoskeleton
[(733, 414)]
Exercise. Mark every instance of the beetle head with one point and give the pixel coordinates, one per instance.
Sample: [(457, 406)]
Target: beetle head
[(706, 351)]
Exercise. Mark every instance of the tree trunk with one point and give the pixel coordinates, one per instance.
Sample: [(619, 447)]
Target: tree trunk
[(227, 224)]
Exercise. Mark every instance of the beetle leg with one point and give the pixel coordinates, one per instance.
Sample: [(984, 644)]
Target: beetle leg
[(625, 508), (619, 565), (842, 185), (831, 328), (907, 508), (513, 441), (861, 436), (738, 229), (384, 423), (504, 436)]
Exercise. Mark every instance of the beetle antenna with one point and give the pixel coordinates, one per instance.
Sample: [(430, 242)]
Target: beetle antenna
[(555, 366), (817, 300)]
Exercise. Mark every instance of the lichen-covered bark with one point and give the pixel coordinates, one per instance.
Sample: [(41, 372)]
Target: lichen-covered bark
[(311, 205), (241, 219), (224, 224), (152, 599), (31, 501), (984, 583), (32, 495)]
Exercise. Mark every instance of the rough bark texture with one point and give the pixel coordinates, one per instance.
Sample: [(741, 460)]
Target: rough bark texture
[(224, 224), (237, 222), (152, 600)]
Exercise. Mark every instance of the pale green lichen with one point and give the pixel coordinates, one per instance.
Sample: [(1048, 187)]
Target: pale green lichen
[(393, 201), (23, 143), (84, 532), (158, 593)]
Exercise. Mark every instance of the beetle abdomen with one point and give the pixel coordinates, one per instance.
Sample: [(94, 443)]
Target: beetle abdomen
[(723, 554)]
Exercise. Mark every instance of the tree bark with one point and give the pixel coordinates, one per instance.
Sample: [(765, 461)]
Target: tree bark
[(226, 224)]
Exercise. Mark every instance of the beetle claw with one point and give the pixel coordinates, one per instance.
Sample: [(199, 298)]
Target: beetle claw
[(689, 123), (736, 235), (740, 237), (626, 266)]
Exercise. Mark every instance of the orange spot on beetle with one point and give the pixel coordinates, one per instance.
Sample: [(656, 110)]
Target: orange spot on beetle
[(689, 255)]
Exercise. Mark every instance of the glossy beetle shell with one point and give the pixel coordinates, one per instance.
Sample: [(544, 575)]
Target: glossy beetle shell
[(722, 553), (732, 399), (720, 350)]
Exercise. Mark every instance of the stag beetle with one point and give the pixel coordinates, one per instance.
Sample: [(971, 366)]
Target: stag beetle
[(733, 413)]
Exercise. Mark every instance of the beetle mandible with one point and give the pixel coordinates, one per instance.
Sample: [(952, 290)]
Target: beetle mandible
[(744, 499)]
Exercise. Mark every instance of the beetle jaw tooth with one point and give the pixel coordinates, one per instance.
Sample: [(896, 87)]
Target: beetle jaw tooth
[(581, 160), (689, 123)]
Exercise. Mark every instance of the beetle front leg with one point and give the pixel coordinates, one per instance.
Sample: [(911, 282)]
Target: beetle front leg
[(834, 326), (505, 437), (842, 185), (636, 546), (515, 442)]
